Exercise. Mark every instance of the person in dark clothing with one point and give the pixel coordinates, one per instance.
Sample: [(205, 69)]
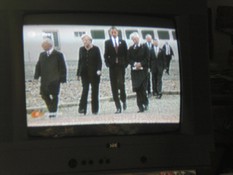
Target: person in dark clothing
[(115, 57), (138, 59), (89, 69), (149, 44), (157, 65), (168, 54), (51, 68)]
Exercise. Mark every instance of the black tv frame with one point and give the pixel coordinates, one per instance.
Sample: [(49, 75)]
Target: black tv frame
[(189, 148)]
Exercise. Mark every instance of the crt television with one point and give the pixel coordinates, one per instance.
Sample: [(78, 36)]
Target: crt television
[(176, 131)]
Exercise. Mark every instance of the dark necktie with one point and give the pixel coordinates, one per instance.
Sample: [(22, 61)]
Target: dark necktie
[(116, 49)]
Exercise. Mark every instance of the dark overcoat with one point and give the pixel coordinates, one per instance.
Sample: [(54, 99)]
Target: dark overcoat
[(52, 70), (157, 63), (138, 54)]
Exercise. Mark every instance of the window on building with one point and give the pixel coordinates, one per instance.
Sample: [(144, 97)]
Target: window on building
[(163, 35), (174, 35), (97, 34), (79, 33)]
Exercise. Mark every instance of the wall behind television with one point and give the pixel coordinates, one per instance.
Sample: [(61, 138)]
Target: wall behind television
[(221, 42)]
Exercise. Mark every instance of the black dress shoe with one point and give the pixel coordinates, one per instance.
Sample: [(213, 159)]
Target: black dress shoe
[(124, 105), (159, 96), (82, 111), (118, 111), (52, 116), (140, 110)]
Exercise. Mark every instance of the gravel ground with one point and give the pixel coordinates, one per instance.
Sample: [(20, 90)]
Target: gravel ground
[(71, 91), (163, 110)]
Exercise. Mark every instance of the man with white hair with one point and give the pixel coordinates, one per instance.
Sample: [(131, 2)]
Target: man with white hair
[(157, 66), (138, 59), (51, 68), (149, 44)]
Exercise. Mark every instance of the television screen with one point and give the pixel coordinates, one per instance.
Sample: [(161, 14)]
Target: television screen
[(91, 90)]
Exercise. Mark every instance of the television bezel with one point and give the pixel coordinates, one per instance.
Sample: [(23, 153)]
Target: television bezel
[(191, 145)]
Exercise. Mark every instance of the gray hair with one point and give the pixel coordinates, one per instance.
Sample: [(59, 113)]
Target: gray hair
[(134, 34), (148, 35), (48, 41), (86, 35)]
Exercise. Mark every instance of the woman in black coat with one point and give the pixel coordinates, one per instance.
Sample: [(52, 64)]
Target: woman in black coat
[(89, 69)]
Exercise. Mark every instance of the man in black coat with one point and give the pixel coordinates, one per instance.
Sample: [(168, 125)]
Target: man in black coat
[(157, 65), (51, 68), (89, 69), (115, 57), (168, 53), (138, 59), (149, 44)]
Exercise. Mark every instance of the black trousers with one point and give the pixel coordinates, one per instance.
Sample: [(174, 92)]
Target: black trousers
[(49, 93), (168, 61), (51, 101), (86, 82), (117, 79), (142, 99), (157, 82)]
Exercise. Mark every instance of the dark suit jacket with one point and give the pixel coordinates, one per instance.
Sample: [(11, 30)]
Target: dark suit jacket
[(139, 54), (157, 63), (89, 62), (171, 51), (52, 70), (110, 54)]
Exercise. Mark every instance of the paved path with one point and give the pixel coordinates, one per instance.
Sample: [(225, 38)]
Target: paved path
[(165, 110)]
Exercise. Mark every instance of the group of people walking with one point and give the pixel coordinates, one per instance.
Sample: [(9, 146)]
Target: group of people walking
[(144, 59)]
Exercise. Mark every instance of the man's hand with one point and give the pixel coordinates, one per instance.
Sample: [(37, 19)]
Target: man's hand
[(138, 66), (98, 72), (35, 81)]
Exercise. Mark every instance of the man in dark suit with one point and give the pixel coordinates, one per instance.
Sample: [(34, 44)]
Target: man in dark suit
[(168, 53), (157, 65), (115, 57), (149, 44), (138, 59), (89, 69), (51, 68)]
